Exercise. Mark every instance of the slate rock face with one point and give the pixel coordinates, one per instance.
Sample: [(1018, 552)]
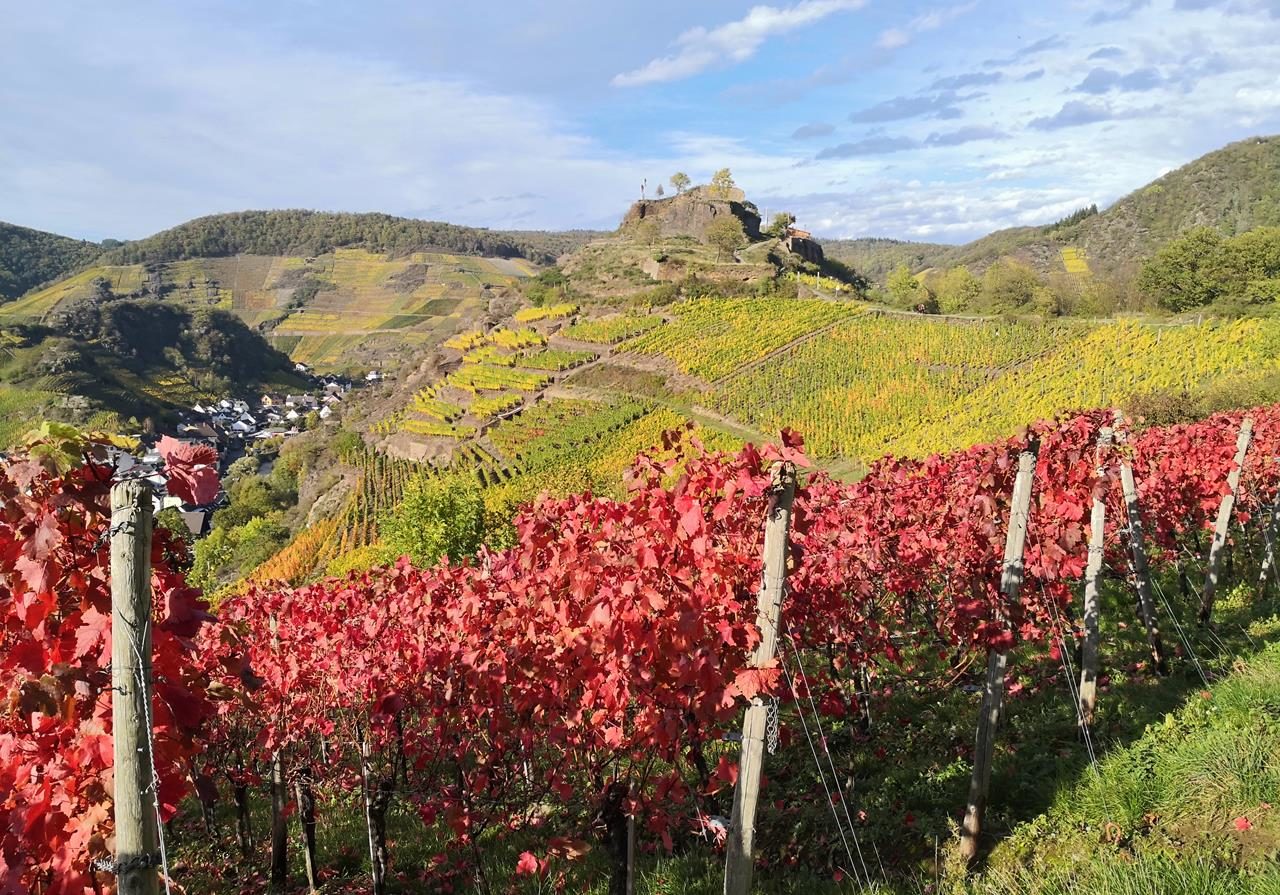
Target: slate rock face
[(690, 213), (806, 247)]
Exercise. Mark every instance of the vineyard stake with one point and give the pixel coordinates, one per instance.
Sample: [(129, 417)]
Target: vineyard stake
[(279, 824), (1269, 531), (738, 854), (1093, 570), (306, 802), (1141, 573), (993, 691), (279, 800), (137, 836), (1223, 522)]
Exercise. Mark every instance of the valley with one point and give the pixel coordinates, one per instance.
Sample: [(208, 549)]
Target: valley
[(484, 555)]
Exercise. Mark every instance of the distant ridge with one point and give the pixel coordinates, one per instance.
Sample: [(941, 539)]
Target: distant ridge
[(1232, 189), (301, 232), (29, 258)]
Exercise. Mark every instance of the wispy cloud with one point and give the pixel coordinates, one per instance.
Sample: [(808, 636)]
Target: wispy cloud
[(1073, 114), (1114, 12), (880, 145), (1052, 42), (809, 131), (1107, 53), (1105, 80), (701, 48), (969, 79), (945, 104), (930, 20), (964, 135)]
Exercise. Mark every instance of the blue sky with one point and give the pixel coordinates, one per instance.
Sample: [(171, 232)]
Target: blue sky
[(914, 120)]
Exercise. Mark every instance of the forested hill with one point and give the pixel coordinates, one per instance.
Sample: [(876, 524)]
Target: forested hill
[(31, 257), (1232, 189), (298, 232)]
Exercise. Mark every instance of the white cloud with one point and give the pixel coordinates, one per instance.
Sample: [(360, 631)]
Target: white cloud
[(700, 48), (931, 20), (1255, 97), (893, 38)]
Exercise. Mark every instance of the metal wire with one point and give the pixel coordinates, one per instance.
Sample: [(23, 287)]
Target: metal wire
[(804, 724), (817, 720)]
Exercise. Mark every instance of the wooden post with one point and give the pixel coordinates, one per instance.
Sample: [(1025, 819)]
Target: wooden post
[(1089, 662), (305, 798), (1141, 573), (1223, 522), (997, 662), (137, 837), (738, 857), (279, 825), (631, 854), (1269, 530)]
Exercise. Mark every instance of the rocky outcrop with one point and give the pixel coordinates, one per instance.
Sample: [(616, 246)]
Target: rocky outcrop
[(690, 213), (806, 247)]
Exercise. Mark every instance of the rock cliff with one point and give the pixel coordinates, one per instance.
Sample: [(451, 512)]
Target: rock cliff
[(691, 212)]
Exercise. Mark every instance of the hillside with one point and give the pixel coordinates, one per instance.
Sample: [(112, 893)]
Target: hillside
[(305, 233), (347, 309), (1233, 189), (31, 257), (108, 359)]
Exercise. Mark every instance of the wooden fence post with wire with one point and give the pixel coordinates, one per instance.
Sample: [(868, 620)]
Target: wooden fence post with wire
[(134, 803), (1089, 661), (993, 691), (1138, 560), (1270, 528), (1223, 522), (738, 853)]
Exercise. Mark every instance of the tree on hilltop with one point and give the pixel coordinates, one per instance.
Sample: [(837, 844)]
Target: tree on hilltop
[(726, 234), (722, 182), (660, 192), (680, 181)]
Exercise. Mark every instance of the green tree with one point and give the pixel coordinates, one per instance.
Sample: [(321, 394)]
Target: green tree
[(1009, 286), (438, 517), (722, 183), (725, 233), (781, 221), (904, 289), (680, 181), (1186, 273), (1251, 266), (210, 556), (957, 290)]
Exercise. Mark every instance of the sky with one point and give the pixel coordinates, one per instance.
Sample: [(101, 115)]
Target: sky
[(910, 119)]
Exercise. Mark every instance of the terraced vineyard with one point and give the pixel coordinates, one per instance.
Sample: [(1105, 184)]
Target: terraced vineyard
[(547, 312), (710, 338), (857, 389), (1098, 367), (541, 433), (36, 305), (611, 330), (331, 311)]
